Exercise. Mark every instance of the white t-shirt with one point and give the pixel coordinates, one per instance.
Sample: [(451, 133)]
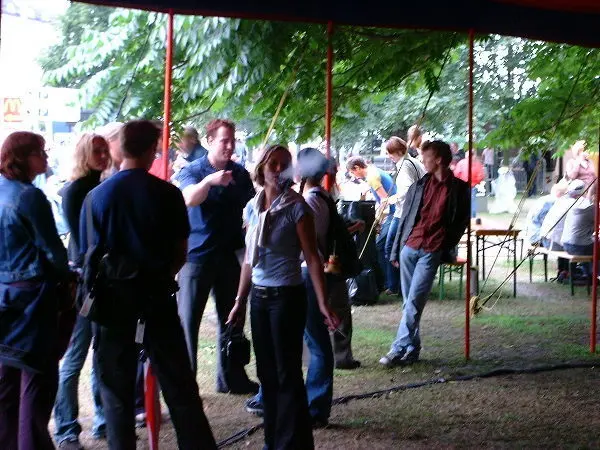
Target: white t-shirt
[(411, 170)]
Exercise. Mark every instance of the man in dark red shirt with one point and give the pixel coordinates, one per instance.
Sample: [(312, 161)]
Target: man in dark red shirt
[(434, 217)]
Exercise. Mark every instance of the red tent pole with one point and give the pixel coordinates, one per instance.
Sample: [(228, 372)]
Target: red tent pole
[(594, 312), (152, 403), (469, 256), (329, 93)]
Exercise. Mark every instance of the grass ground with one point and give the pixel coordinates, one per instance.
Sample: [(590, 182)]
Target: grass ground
[(543, 325)]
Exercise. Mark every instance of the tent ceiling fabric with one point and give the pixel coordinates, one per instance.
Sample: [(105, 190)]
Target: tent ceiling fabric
[(569, 21)]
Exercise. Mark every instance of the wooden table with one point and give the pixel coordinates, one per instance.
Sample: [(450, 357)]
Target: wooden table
[(481, 233)]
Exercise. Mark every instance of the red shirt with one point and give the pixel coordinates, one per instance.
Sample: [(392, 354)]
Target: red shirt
[(461, 170), (429, 232)]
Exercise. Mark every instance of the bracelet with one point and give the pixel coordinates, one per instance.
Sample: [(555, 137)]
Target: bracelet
[(241, 299)]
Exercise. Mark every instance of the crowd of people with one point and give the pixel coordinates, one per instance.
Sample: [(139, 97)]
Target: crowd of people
[(149, 252)]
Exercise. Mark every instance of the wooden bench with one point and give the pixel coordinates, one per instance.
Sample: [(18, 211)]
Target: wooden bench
[(573, 260)]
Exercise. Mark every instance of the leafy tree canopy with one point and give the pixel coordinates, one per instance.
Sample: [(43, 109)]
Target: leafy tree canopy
[(382, 78)]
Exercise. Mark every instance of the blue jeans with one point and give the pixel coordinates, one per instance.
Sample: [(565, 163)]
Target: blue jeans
[(319, 378), (417, 271), (393, 273), (380, 243), (66, 407), (473, 202)]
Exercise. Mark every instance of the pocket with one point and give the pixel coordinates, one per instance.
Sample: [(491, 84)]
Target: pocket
[(17, 298)]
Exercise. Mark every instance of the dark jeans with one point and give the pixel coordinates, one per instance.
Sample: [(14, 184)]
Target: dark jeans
[(319, 377), (116, 357), (26, 401), (278, 317), (221, 273)]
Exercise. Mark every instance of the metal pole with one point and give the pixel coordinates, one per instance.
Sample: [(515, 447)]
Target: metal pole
[(594, 312), (329, 93), (470, 126), (151, 402)]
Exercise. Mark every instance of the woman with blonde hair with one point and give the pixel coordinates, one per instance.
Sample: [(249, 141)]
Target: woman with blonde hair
[(91, 159), (280, 227)]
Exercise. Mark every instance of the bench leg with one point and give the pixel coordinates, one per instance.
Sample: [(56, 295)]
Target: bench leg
[(589, 282), (571, 278), (514, 266), (545, 267), (530, 268)]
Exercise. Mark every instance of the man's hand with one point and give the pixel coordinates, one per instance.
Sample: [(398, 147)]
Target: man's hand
[(396, 264), (220, 178)]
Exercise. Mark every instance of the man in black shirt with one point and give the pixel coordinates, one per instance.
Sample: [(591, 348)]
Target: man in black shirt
[(143, 221)]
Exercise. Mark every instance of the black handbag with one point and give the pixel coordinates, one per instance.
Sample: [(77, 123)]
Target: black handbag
[(235, 347)]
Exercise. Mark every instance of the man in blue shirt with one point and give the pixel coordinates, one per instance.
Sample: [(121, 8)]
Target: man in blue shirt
[(142, 220), (216, 190)]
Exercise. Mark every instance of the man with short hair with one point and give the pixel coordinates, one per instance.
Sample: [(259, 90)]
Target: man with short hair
[(434, 218), (140, 222), (215, 190), (382, 186)]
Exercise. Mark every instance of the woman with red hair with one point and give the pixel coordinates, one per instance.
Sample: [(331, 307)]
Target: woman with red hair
[(33, 262)]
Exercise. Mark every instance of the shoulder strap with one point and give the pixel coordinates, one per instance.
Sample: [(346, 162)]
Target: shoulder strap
[(415, 168)]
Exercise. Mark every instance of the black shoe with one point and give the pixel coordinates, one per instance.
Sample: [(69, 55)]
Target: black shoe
[(243, 388), (347, 365), (401, 358), (255, 407)]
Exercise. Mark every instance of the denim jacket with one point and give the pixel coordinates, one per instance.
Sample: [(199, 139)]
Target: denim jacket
[(29, 243)]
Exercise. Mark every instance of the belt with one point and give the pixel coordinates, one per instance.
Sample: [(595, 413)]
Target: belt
[(275, 290)]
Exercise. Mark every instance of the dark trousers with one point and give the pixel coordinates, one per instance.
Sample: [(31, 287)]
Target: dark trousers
[(221, 273), (26, 401), (278, 317), (116, 357), (340, 303)]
